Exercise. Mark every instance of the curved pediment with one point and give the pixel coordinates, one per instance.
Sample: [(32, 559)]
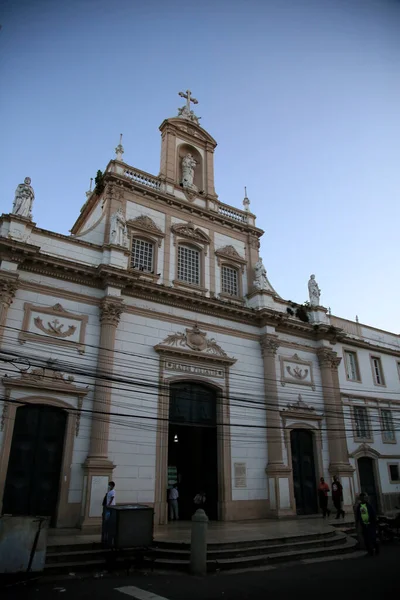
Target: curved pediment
[(190, 232), (196, 343), (145, 223)]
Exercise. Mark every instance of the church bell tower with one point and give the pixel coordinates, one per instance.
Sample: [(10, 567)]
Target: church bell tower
[(187, 154)]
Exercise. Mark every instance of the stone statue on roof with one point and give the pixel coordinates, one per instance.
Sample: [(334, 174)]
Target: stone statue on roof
[(23, 200)]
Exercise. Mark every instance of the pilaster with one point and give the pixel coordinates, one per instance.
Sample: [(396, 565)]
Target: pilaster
[(8, 288), (277, 472), (97, 467)]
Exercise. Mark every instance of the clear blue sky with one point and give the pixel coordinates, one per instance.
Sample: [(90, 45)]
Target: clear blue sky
[(302, 96)]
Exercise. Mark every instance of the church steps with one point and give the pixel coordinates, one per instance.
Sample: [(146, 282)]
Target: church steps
[(169, 556)]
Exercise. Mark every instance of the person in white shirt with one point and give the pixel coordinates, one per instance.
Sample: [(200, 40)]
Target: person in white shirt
[(110, 494), (173, 496)]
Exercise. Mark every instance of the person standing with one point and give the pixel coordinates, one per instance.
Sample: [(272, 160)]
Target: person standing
[(366, 517), (337, 497), (323, 490), (108, 500), (173, 496), (199, 500)]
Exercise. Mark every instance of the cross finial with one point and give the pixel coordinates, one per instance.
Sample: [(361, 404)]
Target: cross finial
[(188, 97)]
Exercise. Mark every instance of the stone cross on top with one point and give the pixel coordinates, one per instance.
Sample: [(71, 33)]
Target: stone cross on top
[(189, 99), (185, 112)]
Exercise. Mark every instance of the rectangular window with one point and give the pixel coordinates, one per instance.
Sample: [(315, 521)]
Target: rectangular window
[(388, 434), (398, 368), (142, 255), (229, 281), (361, 421), (188, 265), (352, 370), (377, 370), (394, 473)]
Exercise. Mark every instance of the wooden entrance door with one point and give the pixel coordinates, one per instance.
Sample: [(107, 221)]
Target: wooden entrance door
[(33, 475), (367, 479), (303, 465)]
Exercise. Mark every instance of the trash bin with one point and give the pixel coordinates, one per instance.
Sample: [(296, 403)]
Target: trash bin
[(129, 526), (23, 543)]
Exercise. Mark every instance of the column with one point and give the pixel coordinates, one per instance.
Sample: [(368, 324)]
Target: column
[(278, 473), (8, 287), (97, 467), (336, 431)]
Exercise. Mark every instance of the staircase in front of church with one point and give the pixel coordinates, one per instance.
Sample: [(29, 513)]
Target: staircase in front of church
[(333, 543)]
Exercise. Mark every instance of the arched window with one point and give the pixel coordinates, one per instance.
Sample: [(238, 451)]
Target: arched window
[(142, 255), (189, 264)]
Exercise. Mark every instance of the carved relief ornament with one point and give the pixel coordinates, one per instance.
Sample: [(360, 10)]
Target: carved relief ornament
[(8, 288), (230, 254), (147, 225), (295, 370), (328, 358), (269, 345), (190, 232), (110, 310), (53, 325), (194, 341), (45, 379)]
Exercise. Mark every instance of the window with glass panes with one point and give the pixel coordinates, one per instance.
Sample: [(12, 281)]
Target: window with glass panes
[(377, 370), (361, 421), (188, 265), (229, 281), (387, 425), (352, 366), (142, 255)]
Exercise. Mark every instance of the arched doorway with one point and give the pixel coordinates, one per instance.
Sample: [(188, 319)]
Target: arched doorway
[(303, 465), (33, 474), (192, 445), (366, 474)]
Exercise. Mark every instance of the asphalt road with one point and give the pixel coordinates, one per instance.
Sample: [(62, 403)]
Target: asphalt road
[(363, 577)]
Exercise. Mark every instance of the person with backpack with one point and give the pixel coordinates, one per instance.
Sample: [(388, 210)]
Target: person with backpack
[(366, 517)]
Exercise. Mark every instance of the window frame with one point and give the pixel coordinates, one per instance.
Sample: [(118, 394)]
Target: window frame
[(238, 271), (358, 438), (346, 352), (382, 375), (386, 441), (148, 240), (192, 246), (393, 464)]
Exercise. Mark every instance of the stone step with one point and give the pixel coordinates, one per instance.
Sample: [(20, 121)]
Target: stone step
[(251, 550), (330, 533), (250, 562)]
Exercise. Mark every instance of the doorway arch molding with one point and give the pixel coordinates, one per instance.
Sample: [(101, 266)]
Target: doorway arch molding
[(193, 357), (49, 388), (365, 451)]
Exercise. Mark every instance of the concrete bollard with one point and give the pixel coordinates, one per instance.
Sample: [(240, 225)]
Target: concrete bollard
[(198, 545)]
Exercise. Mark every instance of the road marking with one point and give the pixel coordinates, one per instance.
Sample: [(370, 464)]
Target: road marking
[(139, 594)]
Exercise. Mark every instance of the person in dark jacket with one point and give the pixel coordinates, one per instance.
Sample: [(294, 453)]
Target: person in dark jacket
[(337, 497), (366, 516)]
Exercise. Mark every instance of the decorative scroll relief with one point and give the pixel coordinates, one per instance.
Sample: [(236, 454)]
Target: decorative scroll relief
[(240, 476), (194, 344), (297, 371), (53, 325)]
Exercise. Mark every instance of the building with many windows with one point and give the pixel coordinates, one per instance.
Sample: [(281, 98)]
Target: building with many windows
[(150, 347)]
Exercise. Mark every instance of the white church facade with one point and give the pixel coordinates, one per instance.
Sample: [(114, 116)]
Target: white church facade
[(149, 347)]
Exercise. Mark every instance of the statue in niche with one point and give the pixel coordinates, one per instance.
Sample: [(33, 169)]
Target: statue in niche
[(118, 229), (23, 201), (314, 291), (188, 167), (260, 282)]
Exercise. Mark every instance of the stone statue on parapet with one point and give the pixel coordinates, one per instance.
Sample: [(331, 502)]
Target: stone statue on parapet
[(314, 291), (23, 201), (118, 229), (260, 282)]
